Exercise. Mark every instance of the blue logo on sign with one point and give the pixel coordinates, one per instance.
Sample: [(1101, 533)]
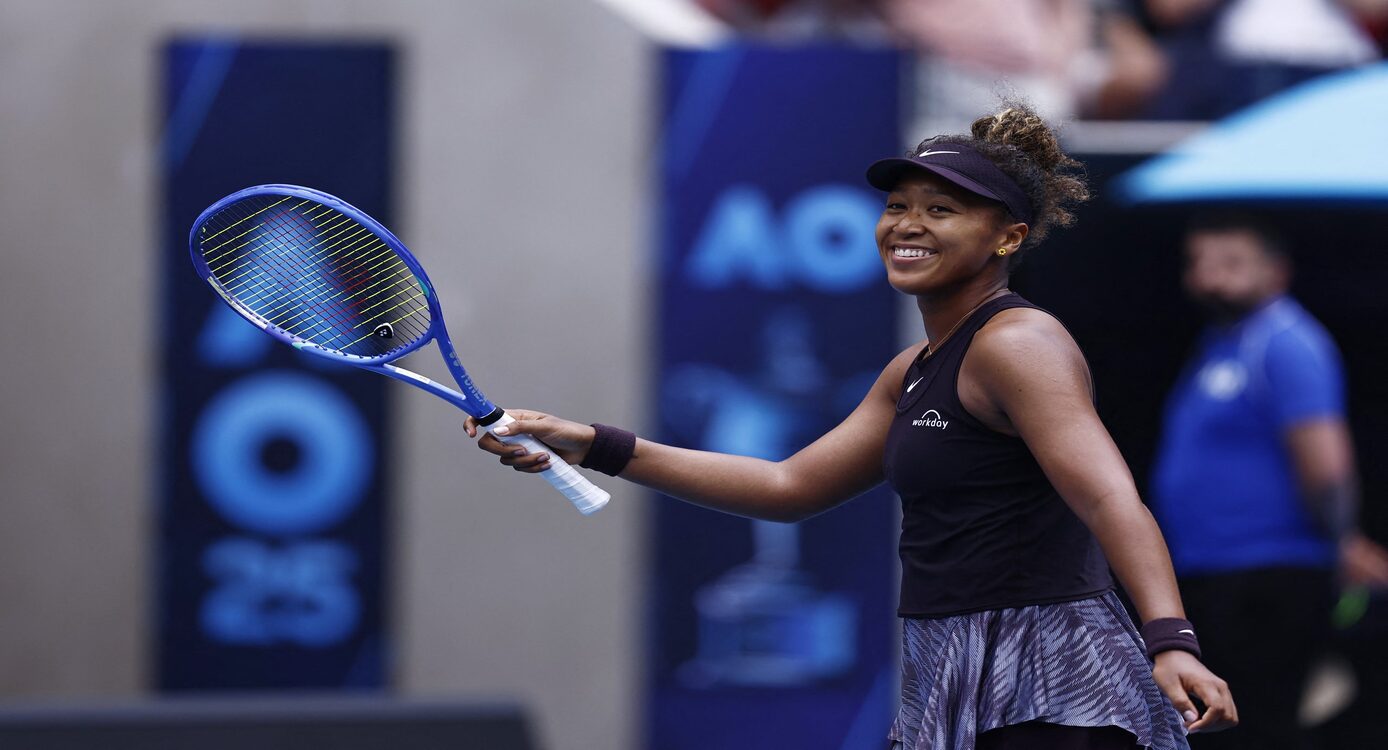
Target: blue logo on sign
[(825, 241), (334, 450), (301, 593)]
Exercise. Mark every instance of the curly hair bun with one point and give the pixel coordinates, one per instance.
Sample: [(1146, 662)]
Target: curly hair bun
[(1019, 126), (1025, 147)]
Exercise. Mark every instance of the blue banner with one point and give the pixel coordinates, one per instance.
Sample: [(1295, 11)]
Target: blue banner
[(775, 318), (271, 557)]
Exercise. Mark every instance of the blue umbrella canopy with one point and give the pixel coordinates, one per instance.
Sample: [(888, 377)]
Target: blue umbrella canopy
[(1325, 141)]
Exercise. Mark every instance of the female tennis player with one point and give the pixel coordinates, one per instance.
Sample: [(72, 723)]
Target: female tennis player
[(1016, 502)]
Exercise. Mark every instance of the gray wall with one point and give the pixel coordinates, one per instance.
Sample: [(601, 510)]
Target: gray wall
[(525, 123)]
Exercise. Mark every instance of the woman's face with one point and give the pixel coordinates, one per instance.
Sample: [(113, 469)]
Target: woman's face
[(935, 236)]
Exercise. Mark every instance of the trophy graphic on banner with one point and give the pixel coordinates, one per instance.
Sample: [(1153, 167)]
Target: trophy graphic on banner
[(764, 622)]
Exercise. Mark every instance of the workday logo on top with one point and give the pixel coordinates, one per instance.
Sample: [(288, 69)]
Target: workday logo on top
[(931, 418)]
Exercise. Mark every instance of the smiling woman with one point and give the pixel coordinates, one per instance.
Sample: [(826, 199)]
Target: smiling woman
[(1011, 489), (1015, 501)]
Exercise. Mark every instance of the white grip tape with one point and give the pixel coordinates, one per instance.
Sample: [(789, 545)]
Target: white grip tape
[(586, 496)]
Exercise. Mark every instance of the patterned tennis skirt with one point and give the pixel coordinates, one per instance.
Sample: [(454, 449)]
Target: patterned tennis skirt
[(1078, 663)]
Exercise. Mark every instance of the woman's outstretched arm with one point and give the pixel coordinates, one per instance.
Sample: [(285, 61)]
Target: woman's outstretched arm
[(840, 465)]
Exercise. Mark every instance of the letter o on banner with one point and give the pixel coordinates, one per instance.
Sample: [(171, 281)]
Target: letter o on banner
[(830, 229), (325, 484)]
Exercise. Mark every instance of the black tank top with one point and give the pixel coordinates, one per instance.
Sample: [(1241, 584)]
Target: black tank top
[(982, 527)]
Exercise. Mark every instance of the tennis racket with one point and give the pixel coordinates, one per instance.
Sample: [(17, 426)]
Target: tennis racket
[(325, 278)]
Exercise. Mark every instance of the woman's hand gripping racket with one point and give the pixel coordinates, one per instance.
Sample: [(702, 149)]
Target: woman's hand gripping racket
[(322, 276)]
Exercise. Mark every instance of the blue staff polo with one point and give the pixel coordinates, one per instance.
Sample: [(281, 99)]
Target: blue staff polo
[(1224, 488)]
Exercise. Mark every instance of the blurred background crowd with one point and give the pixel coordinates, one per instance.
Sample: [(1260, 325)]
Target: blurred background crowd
[(1092, 59)]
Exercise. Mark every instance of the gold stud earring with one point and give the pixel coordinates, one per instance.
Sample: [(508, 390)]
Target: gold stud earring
[(1002, 251)]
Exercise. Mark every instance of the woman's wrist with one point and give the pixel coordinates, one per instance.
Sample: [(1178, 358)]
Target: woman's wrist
[(611, 450), (1170, 634)]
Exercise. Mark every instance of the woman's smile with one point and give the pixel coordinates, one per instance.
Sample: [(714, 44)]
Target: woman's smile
[(905, 255)]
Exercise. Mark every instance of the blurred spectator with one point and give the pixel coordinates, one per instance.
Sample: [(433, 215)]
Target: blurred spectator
[(1226, 54), (1127, 68), (850, 20), (1254, 483), (1372, 16), (971, 51)]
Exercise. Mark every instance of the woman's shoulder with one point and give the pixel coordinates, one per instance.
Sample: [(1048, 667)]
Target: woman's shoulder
[(1021, 324), (1024, 342)]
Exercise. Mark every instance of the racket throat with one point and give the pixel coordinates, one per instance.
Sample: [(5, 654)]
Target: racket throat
[(491, 418)]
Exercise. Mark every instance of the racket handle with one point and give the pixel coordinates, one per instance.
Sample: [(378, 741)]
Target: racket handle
[(586, 496)]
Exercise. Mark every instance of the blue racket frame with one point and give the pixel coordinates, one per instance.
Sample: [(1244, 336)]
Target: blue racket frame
[(470, 400)]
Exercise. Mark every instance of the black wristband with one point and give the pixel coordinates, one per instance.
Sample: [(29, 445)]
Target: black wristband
[(1170, 634), (611, 450)]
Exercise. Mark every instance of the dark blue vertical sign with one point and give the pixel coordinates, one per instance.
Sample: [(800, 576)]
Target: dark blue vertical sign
[(775, 318), (271, 557)]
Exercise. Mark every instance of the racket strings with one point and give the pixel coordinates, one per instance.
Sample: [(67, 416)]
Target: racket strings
[(316, 274), (340, 304), (236, 262), (346, 280), (256, 286), (253, 288)]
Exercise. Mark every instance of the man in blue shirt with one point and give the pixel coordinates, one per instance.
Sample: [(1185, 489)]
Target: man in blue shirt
[(1254, 483)]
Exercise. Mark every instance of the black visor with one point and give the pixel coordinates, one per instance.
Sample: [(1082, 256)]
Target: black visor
[(962, 166)]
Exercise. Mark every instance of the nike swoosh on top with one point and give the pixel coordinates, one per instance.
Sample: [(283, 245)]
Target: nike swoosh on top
[(913, 385), (928, 152)]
